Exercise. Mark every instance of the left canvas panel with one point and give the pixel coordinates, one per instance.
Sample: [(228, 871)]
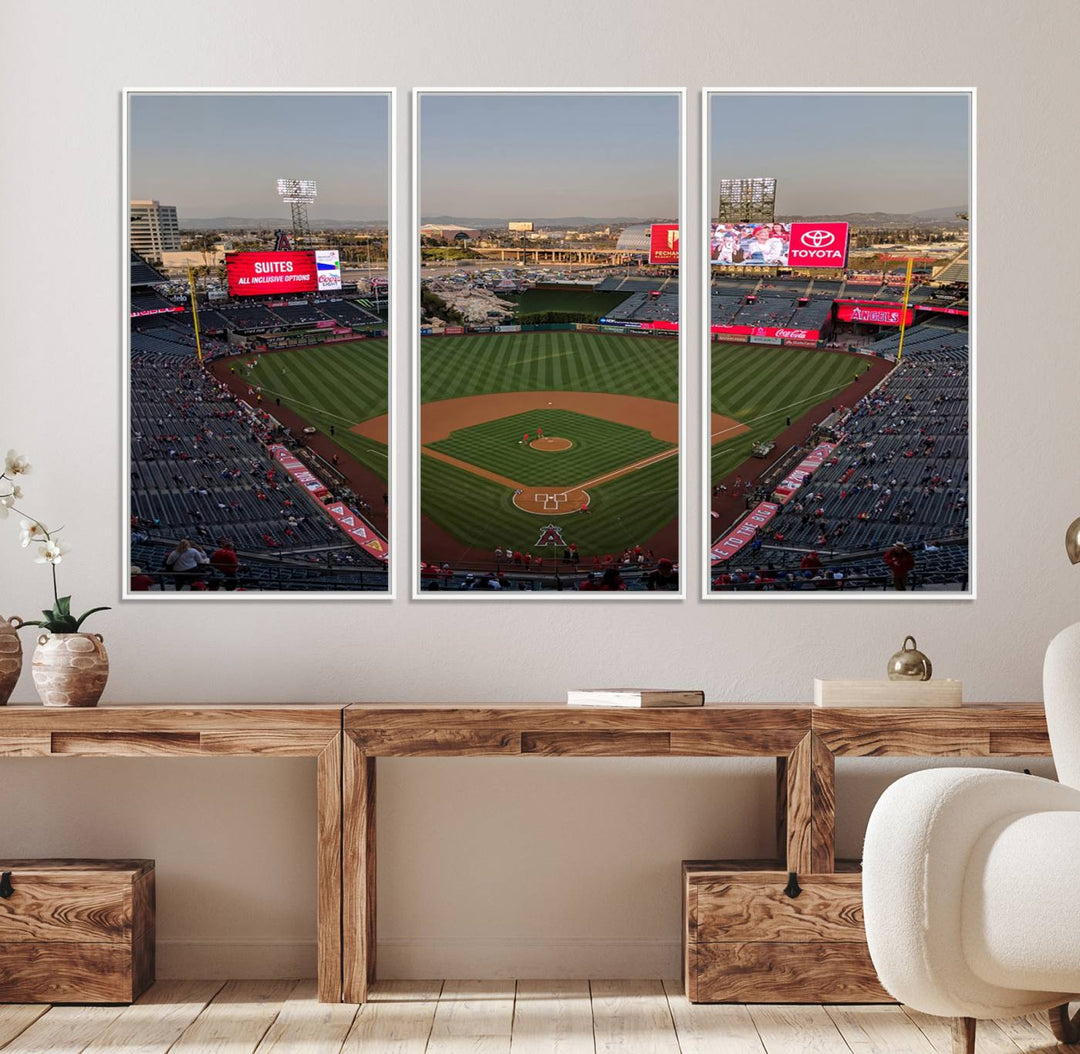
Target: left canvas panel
[(257, 306)]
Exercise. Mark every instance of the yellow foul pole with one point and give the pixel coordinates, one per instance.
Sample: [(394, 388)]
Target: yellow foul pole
[(194, 310), (903, 313)]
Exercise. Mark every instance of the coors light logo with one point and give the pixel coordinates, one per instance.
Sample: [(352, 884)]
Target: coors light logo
[(818, 245)]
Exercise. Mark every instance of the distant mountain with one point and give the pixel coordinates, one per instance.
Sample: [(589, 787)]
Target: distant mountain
[(928, 218), (270, 223), (541, 221)]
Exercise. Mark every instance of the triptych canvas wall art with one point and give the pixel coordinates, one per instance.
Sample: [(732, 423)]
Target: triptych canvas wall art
[(547, 352), (257, 304)]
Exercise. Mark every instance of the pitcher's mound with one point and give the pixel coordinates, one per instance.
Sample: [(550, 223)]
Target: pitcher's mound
[(550, 501), (551, 443)]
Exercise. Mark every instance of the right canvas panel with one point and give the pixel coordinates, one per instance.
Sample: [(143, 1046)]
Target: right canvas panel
[(840, 354)]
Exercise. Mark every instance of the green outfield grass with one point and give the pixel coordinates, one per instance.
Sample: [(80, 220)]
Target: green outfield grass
[(587, 301), (335, 385), (451, 367), (763, 386), (599, 446), (481, 514)]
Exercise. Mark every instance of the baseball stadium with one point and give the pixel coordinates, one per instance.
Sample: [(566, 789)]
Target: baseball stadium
[(245, 440), (839, 449), (548, 365), (549, 451)]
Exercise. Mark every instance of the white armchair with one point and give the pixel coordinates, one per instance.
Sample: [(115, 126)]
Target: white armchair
[(971, 880)]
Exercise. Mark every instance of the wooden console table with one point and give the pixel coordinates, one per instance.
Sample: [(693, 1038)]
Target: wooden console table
[(347, 740), (207, 730), (805, 740)]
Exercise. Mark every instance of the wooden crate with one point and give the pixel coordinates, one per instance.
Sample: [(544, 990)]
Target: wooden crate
[(745, 940), (76, 931)]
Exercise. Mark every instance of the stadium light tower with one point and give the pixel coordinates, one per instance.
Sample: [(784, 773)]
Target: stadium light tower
[(750, 200), (299, 193)]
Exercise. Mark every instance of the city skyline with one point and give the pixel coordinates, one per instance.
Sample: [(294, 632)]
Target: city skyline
[(520, 155), (839, 153), (218, 155)]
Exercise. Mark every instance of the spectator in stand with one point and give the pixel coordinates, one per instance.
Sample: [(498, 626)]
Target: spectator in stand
[(225, 562), (611, 581), (663, 577), (186, 562), (900, 562), (810, 562), (141, 582)]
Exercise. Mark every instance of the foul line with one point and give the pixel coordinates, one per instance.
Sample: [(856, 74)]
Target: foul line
[(378, 448), (780, 409)]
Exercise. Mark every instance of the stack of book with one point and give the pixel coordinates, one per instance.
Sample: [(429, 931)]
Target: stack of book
[(634, 697)]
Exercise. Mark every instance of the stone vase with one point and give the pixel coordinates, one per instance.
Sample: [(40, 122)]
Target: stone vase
[(10, 656), (70, 669)]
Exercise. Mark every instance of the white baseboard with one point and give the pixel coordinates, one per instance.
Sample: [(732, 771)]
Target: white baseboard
[(418, 958)]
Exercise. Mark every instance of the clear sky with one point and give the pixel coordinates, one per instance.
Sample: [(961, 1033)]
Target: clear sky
[(838, 153), (221, 155), (518, 156)]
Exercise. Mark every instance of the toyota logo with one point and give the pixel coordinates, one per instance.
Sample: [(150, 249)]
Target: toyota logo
[(818, 239)]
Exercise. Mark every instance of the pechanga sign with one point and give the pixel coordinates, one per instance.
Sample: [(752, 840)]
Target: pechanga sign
[(664, 244)]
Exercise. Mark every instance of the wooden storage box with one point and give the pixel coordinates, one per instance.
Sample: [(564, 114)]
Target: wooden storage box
[(76, 931), (746, 940)]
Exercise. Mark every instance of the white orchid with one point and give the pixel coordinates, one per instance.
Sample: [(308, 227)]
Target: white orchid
[(32, 531), (52, 552), (16, 464), (9, 494)]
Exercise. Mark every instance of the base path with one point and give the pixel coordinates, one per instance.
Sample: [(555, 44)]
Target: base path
[(439, 419)]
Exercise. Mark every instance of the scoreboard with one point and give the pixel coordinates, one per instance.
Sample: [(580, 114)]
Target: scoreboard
[(273, 274)]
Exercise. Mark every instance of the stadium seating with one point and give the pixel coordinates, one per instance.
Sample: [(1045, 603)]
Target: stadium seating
[(900, 472), (645, 307), (142, 273), (199, 469)]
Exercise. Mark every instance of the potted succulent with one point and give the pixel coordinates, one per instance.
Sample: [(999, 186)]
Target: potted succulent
[(70, 667)]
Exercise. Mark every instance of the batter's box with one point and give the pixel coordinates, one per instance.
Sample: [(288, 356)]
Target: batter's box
[(551, 502)]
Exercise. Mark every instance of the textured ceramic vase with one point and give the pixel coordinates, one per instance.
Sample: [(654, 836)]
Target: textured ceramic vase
[(70, 669), (10, 656)]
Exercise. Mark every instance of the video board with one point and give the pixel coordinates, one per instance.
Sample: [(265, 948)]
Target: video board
[(798, 244), (272, 274)]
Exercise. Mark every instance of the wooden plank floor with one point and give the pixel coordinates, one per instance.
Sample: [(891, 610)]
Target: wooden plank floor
[(484, 1017)]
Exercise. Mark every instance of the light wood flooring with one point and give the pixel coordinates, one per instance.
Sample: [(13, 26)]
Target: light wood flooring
[(483, 1017)]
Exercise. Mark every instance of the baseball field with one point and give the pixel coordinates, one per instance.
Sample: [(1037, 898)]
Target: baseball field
[(593, 302), (331, 386), (765, 387), (521, 430)]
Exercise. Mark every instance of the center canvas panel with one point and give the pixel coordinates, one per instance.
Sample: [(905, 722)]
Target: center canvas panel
[(548, 371)]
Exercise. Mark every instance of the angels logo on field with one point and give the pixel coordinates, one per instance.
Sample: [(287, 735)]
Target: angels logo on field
[(551, 535)]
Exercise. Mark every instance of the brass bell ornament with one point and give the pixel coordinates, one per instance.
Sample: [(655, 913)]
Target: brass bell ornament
[(910, 664)]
